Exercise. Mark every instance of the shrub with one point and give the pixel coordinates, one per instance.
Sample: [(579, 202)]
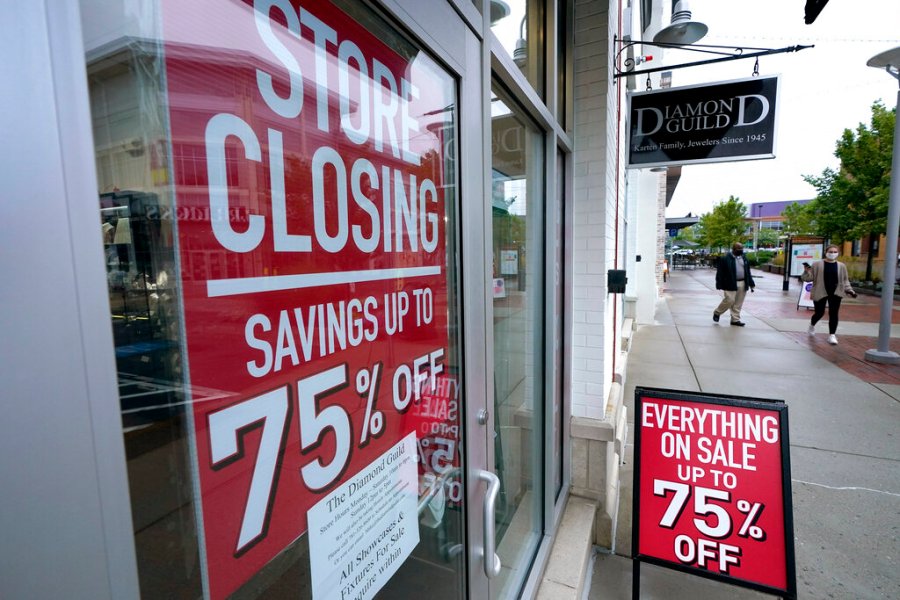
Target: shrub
[(759, 258), (856, 268)]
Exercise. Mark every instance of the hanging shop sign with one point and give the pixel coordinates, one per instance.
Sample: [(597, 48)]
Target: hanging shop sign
[(712, 489), (722, 122), (310, 161)]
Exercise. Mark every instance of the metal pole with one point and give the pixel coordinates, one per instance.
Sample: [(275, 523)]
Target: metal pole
[(883, 353), (756, 239), (635, 579), (788, 250)]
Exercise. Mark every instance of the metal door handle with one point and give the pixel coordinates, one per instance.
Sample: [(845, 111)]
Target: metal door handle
[(491, 560)]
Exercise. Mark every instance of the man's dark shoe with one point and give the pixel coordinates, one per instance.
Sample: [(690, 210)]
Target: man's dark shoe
[(738, 323), (715, 317)]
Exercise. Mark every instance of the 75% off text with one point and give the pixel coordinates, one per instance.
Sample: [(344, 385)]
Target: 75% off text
[(229, 425)]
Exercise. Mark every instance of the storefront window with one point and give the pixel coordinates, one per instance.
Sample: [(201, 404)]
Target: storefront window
[(278, 194), (517, 205), (519, 25)]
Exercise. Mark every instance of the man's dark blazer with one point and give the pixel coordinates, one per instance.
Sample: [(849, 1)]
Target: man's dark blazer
[(726, 274)]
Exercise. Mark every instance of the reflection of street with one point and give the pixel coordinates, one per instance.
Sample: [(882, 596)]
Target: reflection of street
[(515, 449)]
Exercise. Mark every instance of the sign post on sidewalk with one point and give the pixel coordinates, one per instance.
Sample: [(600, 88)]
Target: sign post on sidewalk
[(712, 489), (788, 249)]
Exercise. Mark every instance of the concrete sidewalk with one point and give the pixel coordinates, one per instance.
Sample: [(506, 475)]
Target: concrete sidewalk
[(845, 443)]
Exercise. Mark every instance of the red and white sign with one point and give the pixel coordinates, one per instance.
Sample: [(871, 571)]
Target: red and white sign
[(712, 487), (309, 165)]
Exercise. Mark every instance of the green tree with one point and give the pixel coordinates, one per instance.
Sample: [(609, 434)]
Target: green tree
[(800, 219), (852, 202), (767, 238), (726, 224), (688, 234)]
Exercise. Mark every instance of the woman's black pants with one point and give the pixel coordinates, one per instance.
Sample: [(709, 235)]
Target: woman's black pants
[(834, 306)]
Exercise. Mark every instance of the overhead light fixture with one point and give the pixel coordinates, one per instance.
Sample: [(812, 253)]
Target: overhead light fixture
[(682, 29), (499, 10), (888, 60), (520, 54)]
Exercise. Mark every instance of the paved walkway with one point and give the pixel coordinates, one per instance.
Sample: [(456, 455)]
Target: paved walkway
[(845, 443)]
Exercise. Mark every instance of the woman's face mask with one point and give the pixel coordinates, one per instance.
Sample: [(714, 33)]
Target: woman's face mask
[(831, 255)]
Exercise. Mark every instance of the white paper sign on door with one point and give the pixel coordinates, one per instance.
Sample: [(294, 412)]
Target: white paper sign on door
[(362, 532)]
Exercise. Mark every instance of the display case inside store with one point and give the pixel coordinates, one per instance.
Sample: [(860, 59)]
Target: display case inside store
[(139, 280)]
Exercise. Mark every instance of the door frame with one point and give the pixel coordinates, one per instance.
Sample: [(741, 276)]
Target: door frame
[(59, 362)]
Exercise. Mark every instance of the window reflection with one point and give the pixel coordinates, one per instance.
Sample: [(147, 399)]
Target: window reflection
[(518, 25), (151, 101), (517, 228)]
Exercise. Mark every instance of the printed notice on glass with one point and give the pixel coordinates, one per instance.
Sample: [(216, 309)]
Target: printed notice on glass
[(366, 528)]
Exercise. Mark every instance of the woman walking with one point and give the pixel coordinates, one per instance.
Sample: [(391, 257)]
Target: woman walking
[(830, 283)]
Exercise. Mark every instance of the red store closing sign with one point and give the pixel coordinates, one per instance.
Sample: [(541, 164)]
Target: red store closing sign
[(318, 318), (712, 492)]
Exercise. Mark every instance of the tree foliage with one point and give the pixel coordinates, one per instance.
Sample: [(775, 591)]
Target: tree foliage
[(852, 202), (725, 225), (800, 219), (689, 234), (767, 238)]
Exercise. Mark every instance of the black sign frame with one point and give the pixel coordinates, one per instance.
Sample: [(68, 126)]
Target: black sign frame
[(710, 110), (790, 593)]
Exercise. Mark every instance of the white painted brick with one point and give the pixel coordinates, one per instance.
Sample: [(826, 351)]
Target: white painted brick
[(594, 341), (593, 318), (593, 280), (595, 412), (594, 365), (595, 243), (595, 389), (586, 352), (584, 399)]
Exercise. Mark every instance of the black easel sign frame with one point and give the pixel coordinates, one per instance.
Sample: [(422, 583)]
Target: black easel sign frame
[(712, 489)]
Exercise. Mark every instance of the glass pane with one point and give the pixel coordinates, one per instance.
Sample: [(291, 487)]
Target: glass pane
[(518, 225), (278, 194), (519, 25)]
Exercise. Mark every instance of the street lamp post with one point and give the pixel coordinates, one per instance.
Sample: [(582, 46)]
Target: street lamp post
[(890, 62)]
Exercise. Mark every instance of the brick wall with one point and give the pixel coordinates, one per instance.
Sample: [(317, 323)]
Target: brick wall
[(594, 209)]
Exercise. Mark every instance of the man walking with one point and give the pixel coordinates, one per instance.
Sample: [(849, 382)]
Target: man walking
[(734, 279)]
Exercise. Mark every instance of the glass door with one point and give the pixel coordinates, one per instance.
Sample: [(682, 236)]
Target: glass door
[(279, 194)]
